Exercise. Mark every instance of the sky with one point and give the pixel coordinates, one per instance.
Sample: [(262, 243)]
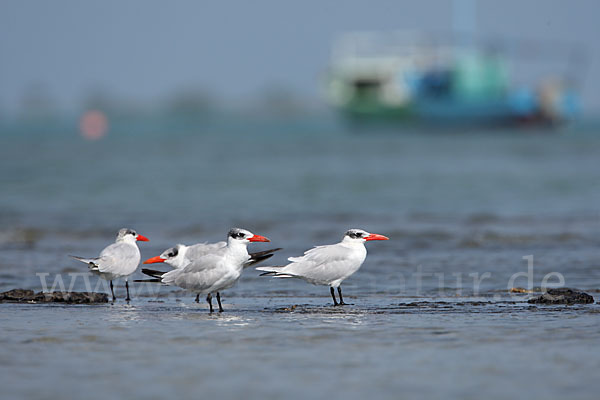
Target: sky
[(145, 50)]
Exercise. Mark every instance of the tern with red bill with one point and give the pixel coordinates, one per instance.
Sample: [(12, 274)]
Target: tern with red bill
[(180, 255), (328, 265), (217, 270), (119, 260)]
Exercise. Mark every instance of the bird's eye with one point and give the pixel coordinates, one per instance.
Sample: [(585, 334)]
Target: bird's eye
[(235, 234), (171, 255)]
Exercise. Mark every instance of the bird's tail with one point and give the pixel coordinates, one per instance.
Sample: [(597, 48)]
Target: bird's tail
[(83, 260), (90, 261), (259, 256), (274, 270)]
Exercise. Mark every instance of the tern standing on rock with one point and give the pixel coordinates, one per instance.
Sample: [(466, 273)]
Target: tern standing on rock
[(213, 272), (181, 255), (119, 260), (328, 265)]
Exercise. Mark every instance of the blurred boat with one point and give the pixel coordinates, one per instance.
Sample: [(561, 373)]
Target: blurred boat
[(416, 78)]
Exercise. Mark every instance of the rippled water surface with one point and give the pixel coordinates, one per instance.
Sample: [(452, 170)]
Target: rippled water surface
[(431, 316)]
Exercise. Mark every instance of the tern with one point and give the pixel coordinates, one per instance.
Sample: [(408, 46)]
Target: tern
[(180, 255), (328, 265), (119, 260), (215, 271)]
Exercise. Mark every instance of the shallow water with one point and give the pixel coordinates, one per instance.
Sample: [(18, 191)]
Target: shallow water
[(257, 349), (431, 316)]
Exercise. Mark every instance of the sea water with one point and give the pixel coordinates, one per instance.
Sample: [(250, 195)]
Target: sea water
[(469, 213)]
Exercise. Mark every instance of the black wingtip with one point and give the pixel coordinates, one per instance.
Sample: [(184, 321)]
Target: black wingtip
[(153, 273), (268, 273), (256, 260), (155, 280), (263, 253), (272, 273), (260, 256)]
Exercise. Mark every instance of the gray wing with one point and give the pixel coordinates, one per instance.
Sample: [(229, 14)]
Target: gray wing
[(118, 258), (198, 275), (322, 263), (201, 264), (206, 262)]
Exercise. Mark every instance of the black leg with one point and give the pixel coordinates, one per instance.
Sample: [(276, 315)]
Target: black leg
[(198, 298), (209, 301), (127, 287), (341, 298), (335, 303), (219, 301), (112, 291)]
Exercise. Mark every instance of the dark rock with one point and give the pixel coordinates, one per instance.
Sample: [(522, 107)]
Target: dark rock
[(562, 296), (29, 296), (16, 295)]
